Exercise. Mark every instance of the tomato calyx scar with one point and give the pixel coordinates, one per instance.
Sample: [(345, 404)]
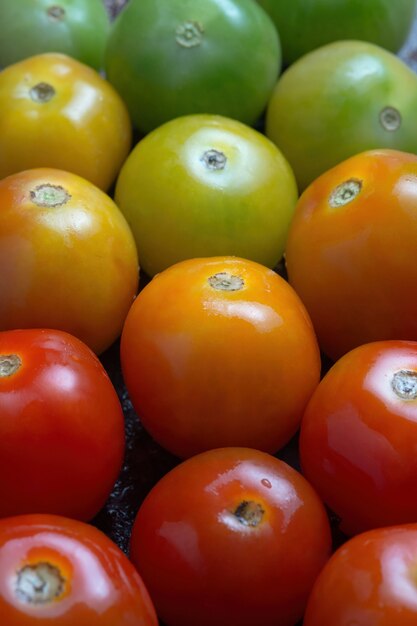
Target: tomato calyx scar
[(189, 34), (404, 384), (42, 93), (56, 12), (224, 281), (345, 192), (40, 583), (390, 119), (249, 513), (9, 364), (49, 196), (214, 159)]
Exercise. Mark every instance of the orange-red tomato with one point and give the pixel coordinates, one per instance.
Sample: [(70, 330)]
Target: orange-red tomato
[(370, 581), (232, 537), (351, 251), (55, 571), (68, 259), (359, 436), (57, 112), (218, 352)]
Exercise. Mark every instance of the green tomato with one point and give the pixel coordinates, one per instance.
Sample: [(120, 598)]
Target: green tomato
[(205, 185), (78, 28), (169, 58), (340, 100), (304, 25)]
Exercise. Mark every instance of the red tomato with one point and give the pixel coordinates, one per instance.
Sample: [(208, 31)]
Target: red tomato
[(359, 436), (219, 352), (351, 251), (61, 426), (370, 581), (58, 572), (232, 537)]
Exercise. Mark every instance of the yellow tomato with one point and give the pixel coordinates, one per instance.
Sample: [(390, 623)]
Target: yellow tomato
[(57, 112)]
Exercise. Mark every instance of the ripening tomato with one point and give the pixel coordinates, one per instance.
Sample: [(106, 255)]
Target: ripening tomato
[(61, 426), (68, 259), (359, 436), (370, 581), (57, 112), (351, 251), (78, 28), (205, 185), (169, 58), (56, 571), (232, 537), (218, 352), (340, 100)]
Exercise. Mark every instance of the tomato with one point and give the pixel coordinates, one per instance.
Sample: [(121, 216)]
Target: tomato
[(369, 581), (351, 248), (340, 100), (169, 58), (219, 352), (359, 436), (78, 28), (61, 426), (58, 571), (57, 112), (231, 537), (304, 25), (204, 185), (68, 259)]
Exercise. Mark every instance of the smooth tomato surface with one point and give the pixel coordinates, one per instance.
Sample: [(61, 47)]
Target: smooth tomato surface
[(219, 352), (61, 426), (68, 258), (359, 436), (340, 100), (231, 537), (169, 58), (351, 249), (58, 571), (57, 112), (78, 28), (205, 185), (371, 580)]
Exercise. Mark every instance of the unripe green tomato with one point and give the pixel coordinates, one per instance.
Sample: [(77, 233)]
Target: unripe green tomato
[(169, 58), (340, 100), (78, 28), (205, 185), (304, 25)]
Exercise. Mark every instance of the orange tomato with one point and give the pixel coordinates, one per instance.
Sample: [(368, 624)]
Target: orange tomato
[(57, 112), (218, 352), (68, 259)]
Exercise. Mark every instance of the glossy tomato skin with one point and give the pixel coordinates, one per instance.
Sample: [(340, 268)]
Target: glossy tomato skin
[(68, 258), (340, 100), (78, 28), (205, 185), (61, 426), (368, 581), (359, 434), (60, 571), (231, 536), (57, 112), (218, 352), (304, 25), (169, 58), (350, 251)]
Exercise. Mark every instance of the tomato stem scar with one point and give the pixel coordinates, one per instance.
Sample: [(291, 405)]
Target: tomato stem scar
[(345, 193), (39, 584), (404, 384), (249, 513), (9, 364), (42, 92), (223, 281), (214, 159), (189, 34), (56, 12), (390, 119), (49, 196)]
